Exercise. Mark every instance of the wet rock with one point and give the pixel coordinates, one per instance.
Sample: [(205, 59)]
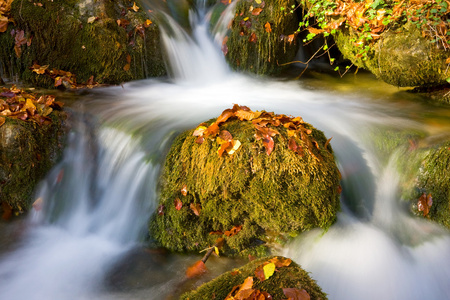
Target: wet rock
[(108, 40), (262, 36), (253, 200), (27, 152), (286, 277)]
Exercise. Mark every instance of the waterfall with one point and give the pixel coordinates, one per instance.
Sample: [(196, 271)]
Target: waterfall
[(97, 200)]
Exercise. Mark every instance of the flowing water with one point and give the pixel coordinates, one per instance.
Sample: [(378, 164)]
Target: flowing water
[(84, 242)]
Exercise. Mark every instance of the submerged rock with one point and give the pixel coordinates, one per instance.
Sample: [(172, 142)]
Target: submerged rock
[(253, 178), (96, 41), (27, 152), (287, 278), (262, 36)]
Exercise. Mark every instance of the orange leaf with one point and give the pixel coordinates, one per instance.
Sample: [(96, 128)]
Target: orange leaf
[(196, 208), (212, 130), (315, 30), (296, 294), (281, 262), (196, 269), (184, 190), (252, 38), (256, 11), (2, 121), (178, 204), (3, 26), (233, 231), (424, 203), (126, 67), (247, 115), (226, 114), (269, 144), (243, 291), (267, 27)]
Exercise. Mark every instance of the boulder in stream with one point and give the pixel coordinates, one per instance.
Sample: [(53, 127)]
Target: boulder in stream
[(252, 178), (286, 280)]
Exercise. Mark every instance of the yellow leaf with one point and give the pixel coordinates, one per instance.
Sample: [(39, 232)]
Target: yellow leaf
[(236, 145), (216, 250), (269, 269), (91, 20), (29, 105), (246, 18), (147, 23), (258, 1), (135, 7), (199, 130)]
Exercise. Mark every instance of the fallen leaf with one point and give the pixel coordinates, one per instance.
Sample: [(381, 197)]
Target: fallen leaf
[(147, 23), (2, 121), (91, 20), (235, 145), (225, 115), (268, 270), (197, 269), (212, 130), (196, 208), (199, 130), (242, 291), (178, 204), (267, 27), (296, 294), (7, 211), (37, 204), (252, 38), (233, 231), (281, 262), (424, 203), (135, 7), (126, 67), (161, 210), (256, 11), (268, 144), (184, 190)]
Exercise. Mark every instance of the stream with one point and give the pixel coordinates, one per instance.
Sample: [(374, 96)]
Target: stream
[(86, 241)]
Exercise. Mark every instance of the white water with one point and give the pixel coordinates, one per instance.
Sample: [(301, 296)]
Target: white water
[(98, 199)]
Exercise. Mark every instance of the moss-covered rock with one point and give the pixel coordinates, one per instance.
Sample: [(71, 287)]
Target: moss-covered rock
[(27, 152), (401, 57), (104, 39), (292, 276), (434, 179), (270, 196), (262, 36)]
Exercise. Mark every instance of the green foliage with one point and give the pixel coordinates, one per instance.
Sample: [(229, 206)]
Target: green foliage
[(271, 196)]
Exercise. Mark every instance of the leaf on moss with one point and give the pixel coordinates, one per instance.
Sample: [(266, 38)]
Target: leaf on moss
[(256, 11), (424, 203), (135, 7), (267, 27), (252, 38), (196, 208), (268, 270), (243, 291), (161, 210), (296, 294), (235, 145), (199, 130), (281, 261), (233, 231), (184, 190), (7, 211), (178, 204), (2, 121)]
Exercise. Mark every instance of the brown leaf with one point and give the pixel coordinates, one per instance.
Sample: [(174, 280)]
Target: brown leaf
[(315, 30), (296, 294), (226, 114), (256, 11), (3, 25), (196, 208), (424, 203), (226, 135), (196, 269), (327, 142), (212, 130), (7, 211), (233, 231), (268, 144), (178, 204), (126, 67), (223, 147), (259, 272), (247, 115), (281, 262), (243, 291), (161, 210), (2, 121), (184, 190), (252, 38)]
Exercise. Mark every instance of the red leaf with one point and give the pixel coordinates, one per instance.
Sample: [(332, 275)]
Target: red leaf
[(196, 269), (296, 294), (196, 208), (178, 204)]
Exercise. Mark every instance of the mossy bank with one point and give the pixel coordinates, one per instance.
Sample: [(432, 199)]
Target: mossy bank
[(268, 197), (108, 40)]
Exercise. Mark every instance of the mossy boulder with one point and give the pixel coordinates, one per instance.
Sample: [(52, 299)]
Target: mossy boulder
[(401, 57), (27, 152), (268, 197), (262, 36), (434, 179), (104, 39), (292, 276)]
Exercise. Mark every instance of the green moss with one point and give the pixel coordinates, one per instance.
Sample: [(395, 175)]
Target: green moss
[(401, 57), (27, 152), (292, 276), (271, 196), (251, 48), (63, 38), (434, 179)]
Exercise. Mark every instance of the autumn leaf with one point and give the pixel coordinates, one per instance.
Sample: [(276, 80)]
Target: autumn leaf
[(268, 144), (226, 114), (2, 121), (247, 115), (147, 23), (233, 231), (199, 130), (252, 38), (256, 11), (226, 136), (424, 203), (178, 204), (196, 208), (161, 210), (315, 30), (3, 24), (37, 204), (267, 27), (242, 291), (7, 211), (184, 190), (296, 294), (268, 270), (235, 145), (197, 269), (91, 20), (135, 7)]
